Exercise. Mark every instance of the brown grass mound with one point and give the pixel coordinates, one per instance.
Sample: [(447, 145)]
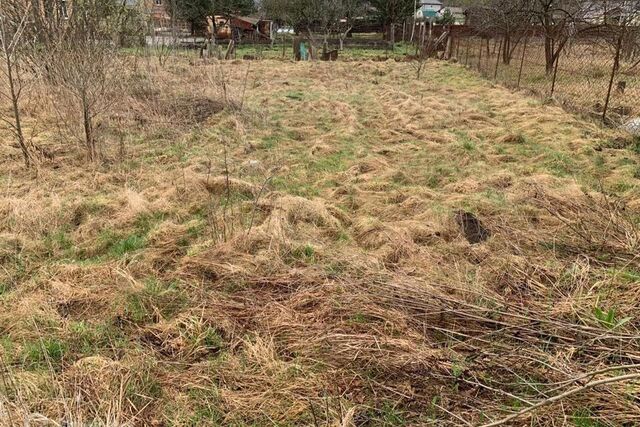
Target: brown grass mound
[(220, 185), (289, 214), (366, 169), (99, 389)]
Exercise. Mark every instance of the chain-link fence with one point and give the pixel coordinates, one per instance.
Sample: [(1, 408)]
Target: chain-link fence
[(595, 75)]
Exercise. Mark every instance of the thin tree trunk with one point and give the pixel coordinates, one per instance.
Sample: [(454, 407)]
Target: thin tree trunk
[(88, 128), (413, 28), (393, 36), (8, 48), (16, 112), (506, 49)]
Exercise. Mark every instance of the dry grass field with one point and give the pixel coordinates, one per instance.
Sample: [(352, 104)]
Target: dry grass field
[(320, 244)]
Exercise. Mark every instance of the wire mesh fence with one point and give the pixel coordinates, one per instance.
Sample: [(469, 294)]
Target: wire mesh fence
[(593, 75)]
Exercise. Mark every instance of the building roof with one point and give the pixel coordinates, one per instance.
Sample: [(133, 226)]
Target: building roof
[(455, 10), (250, 19)]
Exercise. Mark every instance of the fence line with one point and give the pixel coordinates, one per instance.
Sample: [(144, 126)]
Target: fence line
[(591, 75)]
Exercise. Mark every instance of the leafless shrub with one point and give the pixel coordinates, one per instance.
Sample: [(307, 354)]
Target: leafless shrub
[(231, 93), (234, 203), (84, 70), (13, 22)]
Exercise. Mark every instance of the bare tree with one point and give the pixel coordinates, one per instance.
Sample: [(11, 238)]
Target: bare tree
[(13, 21), (392, 12), (350, 10), (559, 20), (314, 17), (82, 64), (509, 19)]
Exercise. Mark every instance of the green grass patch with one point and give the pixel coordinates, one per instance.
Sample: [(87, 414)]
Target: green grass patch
[(305, 253), (332, 163), (57, 242), (497, 198), (622, 187), (89, 339), (268, 142), (44, 352), (584, 418), (388, 415), (157, 300), (439, 175), (296, 95), (295, 185), (466, 143), (560, 164), (127, 245), (143, 387)]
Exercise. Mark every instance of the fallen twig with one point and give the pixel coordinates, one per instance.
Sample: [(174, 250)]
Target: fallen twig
[(562, 396)]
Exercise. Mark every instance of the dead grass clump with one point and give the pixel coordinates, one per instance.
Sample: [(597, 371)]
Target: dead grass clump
[(167, 245), (93, 299), (220, 185), (466, 186), (516, 279), (500, 181), (98, 387), (595, 225), (288, 215), (320, 149), (195, 110), (224, 261), (260, 385), (10, 246), (34, 215), (512, 138), (370, 232), (189, 337), (392, 242), (367, 167), (421, 232)]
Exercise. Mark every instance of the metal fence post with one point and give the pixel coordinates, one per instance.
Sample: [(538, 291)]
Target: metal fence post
[(524, 51), (555, 75), (616, 64), (488, 57), (466, 55), (495, 74)]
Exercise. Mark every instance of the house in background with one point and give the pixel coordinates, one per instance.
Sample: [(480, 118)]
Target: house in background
[(611, 12), (237, 28), (432, 10), (458, 13), (159, 14), (429, 10), (241, 27)]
